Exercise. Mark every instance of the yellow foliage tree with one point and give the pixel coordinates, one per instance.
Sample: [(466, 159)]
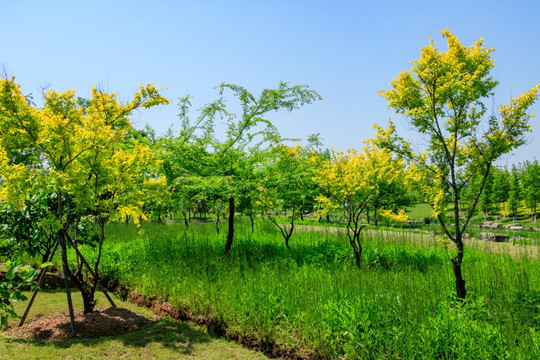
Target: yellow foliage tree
[(348, 182), (78, 150), (443, 97)]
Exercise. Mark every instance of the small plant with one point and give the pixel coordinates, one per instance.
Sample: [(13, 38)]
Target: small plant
[(16, 277)]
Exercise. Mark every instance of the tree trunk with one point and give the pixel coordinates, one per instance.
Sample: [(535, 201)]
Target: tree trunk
[(230, 234), (456, 264), (88, 301), (217, 223), (185, 219), (252, 222), (287, 237), (375, 220), (77, 279), (357, 248)]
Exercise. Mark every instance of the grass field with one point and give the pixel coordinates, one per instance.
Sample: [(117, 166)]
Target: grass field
[(168, 339), (400, 304)]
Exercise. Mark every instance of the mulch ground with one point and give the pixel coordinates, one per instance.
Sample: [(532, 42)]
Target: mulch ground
[(101, 322)]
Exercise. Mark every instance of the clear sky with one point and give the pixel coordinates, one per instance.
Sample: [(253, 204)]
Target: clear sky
[(346, 50)]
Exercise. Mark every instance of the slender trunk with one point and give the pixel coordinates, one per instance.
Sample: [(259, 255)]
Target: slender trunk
[(287, 237), (230, 234), (375, 220), (217, 223), (355, 242), (185, 219), (252, 222), (357, 237), (456, 264), (354, 239)]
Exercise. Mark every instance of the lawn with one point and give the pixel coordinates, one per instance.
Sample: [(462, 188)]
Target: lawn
[(167, 339)]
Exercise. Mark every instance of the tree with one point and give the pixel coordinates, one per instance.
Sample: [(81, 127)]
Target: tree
[(250, 134), (485, 202), (82, 159), (530, 178), (289, 181), (514, 196), (443, 97), (501, 187), (350, 180)]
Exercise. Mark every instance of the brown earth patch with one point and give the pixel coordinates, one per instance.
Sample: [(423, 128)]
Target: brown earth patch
[(101, 322)]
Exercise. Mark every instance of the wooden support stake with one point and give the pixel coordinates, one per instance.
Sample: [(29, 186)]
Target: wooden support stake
[(100, 286), (40, 281)]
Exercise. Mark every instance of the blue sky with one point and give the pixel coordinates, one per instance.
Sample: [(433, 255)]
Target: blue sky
[(346, 50)]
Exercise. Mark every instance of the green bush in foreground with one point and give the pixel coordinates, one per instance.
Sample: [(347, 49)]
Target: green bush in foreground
[(400, 304), (16, 276)]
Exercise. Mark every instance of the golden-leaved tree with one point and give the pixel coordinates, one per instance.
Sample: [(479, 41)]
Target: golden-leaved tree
[(348, 181), (81, 153), (443, 96)]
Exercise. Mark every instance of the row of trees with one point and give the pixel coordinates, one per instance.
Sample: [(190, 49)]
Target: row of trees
[(74, 164), (509, 192)]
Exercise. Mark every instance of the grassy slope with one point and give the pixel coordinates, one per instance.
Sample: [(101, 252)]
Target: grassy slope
[(419, 212), (167, 339), (399, 305)]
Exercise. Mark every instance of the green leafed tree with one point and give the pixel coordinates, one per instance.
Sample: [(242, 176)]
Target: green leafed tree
[(236, 157), (501, 188), (514, 195), (289, 183), (443, 96), (530, 185)]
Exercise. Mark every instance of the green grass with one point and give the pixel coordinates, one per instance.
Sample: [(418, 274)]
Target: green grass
[(419, 212), (168, 339), (401, 304)]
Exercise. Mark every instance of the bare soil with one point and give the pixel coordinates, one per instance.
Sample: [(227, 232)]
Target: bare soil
[(101, 322)]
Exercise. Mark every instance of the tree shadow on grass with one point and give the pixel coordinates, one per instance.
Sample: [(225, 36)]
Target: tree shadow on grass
[(171, 334)]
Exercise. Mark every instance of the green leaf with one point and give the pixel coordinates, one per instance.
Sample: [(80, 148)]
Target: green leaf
[(4, 322), (12, 270), (17, 296)]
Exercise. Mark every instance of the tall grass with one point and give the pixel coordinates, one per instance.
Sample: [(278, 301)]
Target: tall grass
[(401, 304)]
